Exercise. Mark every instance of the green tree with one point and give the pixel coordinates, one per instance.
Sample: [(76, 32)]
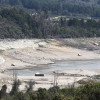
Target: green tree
[(15, 87), (30, 86), (91, 91), (60, 97), (19, 96), (3, 91), (42, 94)]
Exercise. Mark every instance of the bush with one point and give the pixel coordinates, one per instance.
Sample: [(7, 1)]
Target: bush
[(91, 91), (3, 91)]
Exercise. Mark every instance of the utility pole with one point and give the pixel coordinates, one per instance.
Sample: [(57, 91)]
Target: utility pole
[(55, 79), (14, 74)]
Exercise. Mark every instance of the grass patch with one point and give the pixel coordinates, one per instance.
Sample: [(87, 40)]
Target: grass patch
[(1, 51)]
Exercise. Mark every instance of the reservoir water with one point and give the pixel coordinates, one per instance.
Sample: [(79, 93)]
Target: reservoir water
[(59, 65)]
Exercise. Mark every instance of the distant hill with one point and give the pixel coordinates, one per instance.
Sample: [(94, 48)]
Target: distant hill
[(16, 23), (59, 7), (85, 2)]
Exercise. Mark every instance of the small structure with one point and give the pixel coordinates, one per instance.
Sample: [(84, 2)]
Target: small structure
[(78, 55), (12, 65), (38, 74)]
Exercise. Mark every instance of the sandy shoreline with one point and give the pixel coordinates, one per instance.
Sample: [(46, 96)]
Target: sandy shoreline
[(64, 79)]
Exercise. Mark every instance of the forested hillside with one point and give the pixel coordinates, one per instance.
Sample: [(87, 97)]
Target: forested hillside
[(85, 2), (16, 23), (60, 7)]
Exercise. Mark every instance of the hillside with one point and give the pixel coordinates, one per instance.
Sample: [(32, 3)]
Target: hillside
[(16, 23), (59, 7), (78, 2), (85, 2)]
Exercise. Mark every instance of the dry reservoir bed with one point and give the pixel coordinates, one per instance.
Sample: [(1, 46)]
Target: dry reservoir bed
[(21, 54)]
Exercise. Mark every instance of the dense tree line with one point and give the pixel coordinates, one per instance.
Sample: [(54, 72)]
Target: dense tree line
[(79, 28), (16, 23), (57, 7), (89, 91)]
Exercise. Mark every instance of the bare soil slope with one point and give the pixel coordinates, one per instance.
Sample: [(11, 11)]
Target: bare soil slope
[(30, 53)]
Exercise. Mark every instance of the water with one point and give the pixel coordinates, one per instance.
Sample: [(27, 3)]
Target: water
[(59, 65)]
